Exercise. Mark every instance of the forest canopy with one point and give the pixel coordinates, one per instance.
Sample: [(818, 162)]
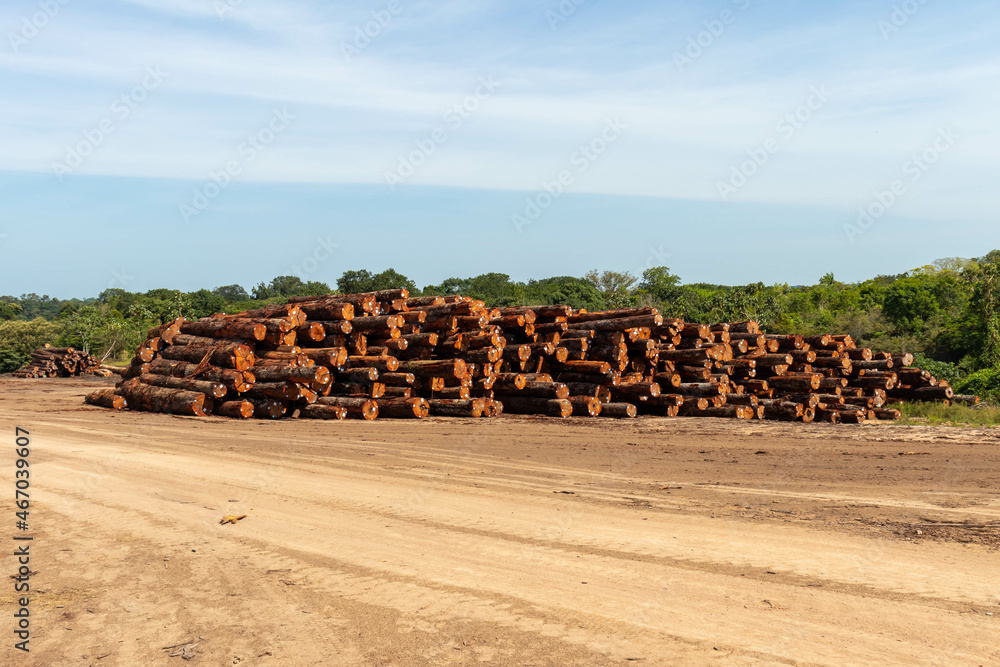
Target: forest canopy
[(945, 312)]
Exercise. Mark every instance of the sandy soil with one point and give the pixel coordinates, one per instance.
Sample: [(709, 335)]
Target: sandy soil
[(517, 541)]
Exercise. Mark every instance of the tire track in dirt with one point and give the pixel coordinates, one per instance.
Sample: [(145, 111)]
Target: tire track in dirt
[(378, 543)]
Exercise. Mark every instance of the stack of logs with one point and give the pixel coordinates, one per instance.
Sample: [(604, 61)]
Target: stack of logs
[(50, 362), (386, 354)]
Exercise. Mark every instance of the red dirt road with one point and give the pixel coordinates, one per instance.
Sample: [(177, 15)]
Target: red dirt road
[(516, 541)]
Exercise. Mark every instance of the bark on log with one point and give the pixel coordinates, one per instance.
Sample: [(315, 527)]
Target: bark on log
[(618, 410), (382, 364), (331, 357), (536, 389), (241, 409), (319, 411), (158, 399), (358, 408), (277, 391), (456, 408), (371, 390), (398, 379), (460, 393), (207, 387), (631, 392), (357, 375), (266, 408), (922, 393), (106, 398), (240, 381), (403, 408), (585, 406), (227, 355), (434, 368), (315, 377), (555, 407)]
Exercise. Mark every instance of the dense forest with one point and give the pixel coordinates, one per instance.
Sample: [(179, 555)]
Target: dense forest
[(945, 313)]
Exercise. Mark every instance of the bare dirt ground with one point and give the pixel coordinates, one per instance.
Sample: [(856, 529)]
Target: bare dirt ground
[(516, 541)]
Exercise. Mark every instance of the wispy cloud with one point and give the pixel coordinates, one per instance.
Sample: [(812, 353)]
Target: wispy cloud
[(355, 118)]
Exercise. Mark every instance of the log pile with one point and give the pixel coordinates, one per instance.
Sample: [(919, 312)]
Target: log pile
[(50, 362), (385, 354)]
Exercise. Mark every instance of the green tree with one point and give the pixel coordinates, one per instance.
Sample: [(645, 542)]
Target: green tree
[(82, 327), (392, 279), (356, 282), (231, 293), (616, 286), (565, 290), (204, 303), (909, 303), (9, 311), (286, 286), (24, 337), (985, 382), (984, 303), (105, 332), (660, 283), (992, 257), (662, 289), (495, 289), (449, 287), (33, 305), (10, 360)]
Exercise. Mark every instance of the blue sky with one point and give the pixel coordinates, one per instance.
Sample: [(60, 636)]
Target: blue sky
[(733, 141)]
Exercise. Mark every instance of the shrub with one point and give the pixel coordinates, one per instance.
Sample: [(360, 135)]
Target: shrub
[(10, 360), (985, 383), (950, 415), (26, 337), (942, 370)]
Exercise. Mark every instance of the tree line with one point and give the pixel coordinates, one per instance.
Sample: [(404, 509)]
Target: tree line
[(945, 313)]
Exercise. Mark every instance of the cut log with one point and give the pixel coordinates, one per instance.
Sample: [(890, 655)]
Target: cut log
[(585, 406), (320, 411), (618, 410), (315, 377), (159, 399), (106, 398), (241, 409), (434, 368), (556, 407), (357, 408), (403, 408), (207, 387), (456, 408)]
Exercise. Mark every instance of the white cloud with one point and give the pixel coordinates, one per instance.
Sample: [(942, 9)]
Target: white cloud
[(356, 118)]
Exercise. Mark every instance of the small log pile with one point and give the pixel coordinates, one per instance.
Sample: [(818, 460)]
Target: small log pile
[(50, 362), (385, 354)]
